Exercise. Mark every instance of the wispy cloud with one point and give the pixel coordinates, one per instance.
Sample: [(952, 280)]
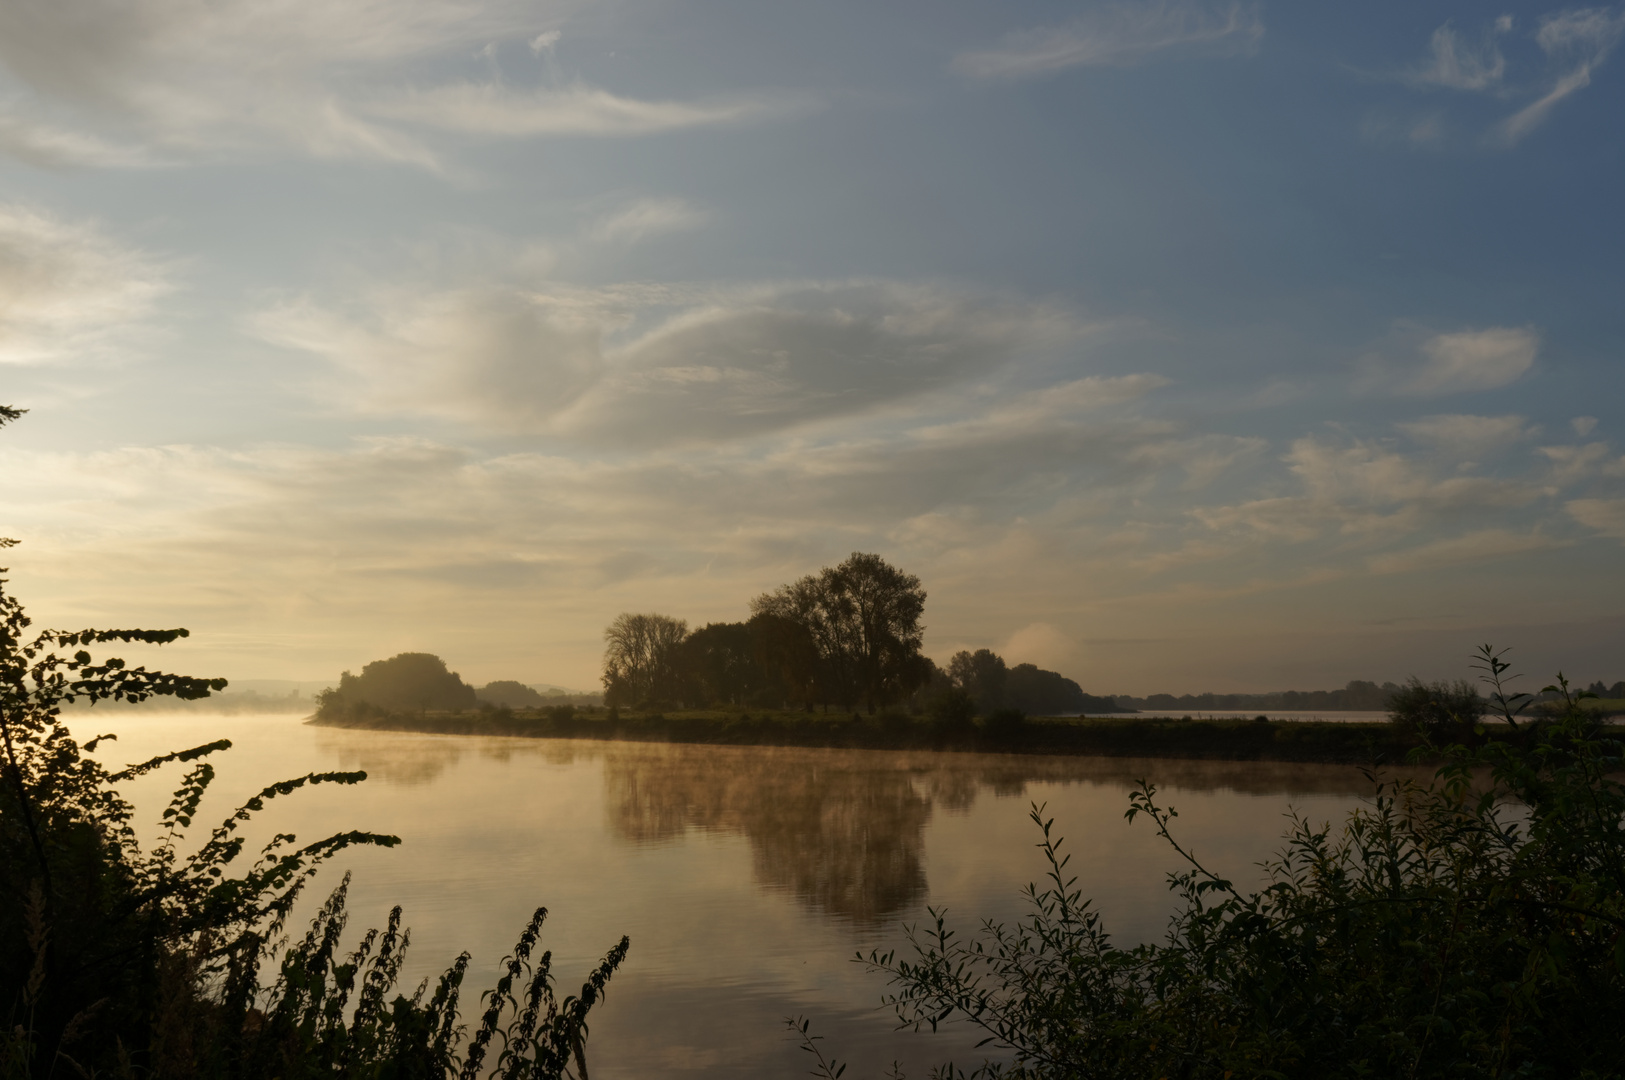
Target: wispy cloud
[(1578, 42), (1119, 35), (647, 217), (1460, 64), (67, 289), (116, 83), (1607, 516), (1482, 546), (721, 364), (1468, 437), (497, 110)]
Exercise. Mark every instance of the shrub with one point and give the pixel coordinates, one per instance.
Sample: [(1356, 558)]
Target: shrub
[(951, 710), (1471, 926), (119, 961), (1004, 723), (1443, 712)]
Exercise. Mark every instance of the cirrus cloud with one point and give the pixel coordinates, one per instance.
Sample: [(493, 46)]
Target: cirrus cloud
[(1118, 35)]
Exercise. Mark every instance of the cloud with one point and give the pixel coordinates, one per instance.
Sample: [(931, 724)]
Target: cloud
[(1482, 546), (1120, 35), (720, 365), (647, 217), (67, 290), (487, 355), (496, 110), (42, 144), (109, 83), (1467, 437), (1571, 463), (1473, 360), (1607, 516), (1369, 491), (1583, 425), (1577, 40), (1462, 65)]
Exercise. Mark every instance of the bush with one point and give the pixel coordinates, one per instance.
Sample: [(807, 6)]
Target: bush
[(1004, 723), (116, 961), (1443, 712), (1471, 926), (951, 710)]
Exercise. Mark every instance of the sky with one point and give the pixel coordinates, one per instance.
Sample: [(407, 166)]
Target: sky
[(1176, 346)]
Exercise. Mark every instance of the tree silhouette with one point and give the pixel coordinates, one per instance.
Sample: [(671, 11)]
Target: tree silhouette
[(864, 618), (641, 661)]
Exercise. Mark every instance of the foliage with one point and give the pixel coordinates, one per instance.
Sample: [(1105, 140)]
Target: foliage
[(864, 618), (720, 664), (1468, 926), (115, 960), (1002, 725), (980, 674), (407, 681), (1357, 695), (641, 661), (952, 710), (508, 692), (1441, 711)]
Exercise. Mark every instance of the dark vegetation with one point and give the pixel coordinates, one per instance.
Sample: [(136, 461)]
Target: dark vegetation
[(174, 962), (845, 638), (1003, 731), (1469, 926)]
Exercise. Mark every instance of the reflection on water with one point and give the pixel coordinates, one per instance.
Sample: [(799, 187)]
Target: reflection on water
[(746, 877), (841, 830)]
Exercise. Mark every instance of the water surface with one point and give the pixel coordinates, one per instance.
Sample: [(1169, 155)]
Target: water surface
[(746, 877)]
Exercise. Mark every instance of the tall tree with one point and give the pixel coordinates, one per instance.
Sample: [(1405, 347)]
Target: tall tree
[(788, 659), (719, 664), (864, 618), (641, 661), (982, 675)]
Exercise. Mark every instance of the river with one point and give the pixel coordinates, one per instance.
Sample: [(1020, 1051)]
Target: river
[(746, 877)]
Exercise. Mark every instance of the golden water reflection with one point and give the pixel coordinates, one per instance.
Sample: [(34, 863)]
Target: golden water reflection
[(841, 830)]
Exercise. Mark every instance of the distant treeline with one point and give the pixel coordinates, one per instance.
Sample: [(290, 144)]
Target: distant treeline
[(421, 682), (1357, 696), (228, 702)]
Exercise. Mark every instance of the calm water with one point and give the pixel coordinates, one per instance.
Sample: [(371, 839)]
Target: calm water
[(746, 878)]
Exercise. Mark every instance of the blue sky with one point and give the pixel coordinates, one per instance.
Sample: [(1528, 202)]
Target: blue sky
[(1175, 345)]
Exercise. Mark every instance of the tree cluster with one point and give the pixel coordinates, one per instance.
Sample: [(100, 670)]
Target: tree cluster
[(991, 686), (414, 682), (847, 636)]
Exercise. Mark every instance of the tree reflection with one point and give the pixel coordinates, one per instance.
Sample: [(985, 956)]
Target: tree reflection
[(844, 830), (839, 832)]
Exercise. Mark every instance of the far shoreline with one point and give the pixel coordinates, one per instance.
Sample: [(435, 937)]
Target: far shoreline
[(1227, 739)]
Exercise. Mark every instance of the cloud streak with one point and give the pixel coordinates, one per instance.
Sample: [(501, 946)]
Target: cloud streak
[(67, 289), (122, 83), (1120, 35), (1579, 41), (726, 364)]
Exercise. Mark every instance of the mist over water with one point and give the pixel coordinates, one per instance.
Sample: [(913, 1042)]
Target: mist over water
[(746, 877)]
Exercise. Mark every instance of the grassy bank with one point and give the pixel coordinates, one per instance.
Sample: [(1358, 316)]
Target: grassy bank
[(1232, 740)]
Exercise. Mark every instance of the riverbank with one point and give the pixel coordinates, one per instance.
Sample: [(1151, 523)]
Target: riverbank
[(1154, 737)]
